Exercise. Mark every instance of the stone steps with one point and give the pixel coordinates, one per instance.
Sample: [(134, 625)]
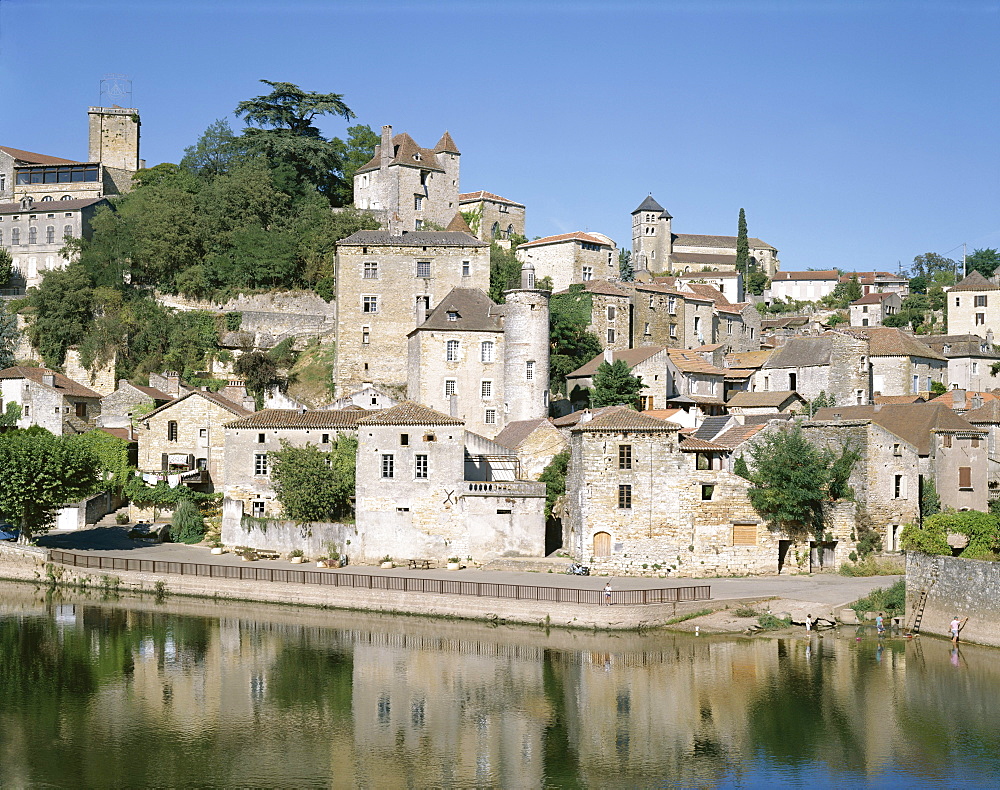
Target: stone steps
[(529, 564), (111, 519)]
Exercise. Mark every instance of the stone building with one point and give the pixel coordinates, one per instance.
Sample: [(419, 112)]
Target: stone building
[(803, 286), (987, 417), (534, 442), (570, 258), (183, 441), (901, 364), (974, 306), (656, 248), (663, 316), (834, 363), (128, 401), (879, 282), (729, 284), (735, 327), (49, 400), (873, 308), (970, 359), (407, 186), (491, 216), (414, 499), (765, 402), (386, 285), (610, 307), (649, 363), (694, 380)]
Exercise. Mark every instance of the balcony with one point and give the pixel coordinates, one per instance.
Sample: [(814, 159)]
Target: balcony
[(513, 488)]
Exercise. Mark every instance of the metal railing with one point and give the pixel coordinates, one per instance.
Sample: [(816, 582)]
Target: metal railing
[(364, 581)]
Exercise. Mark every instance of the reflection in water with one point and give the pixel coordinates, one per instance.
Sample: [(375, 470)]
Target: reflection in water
[(134, 693)]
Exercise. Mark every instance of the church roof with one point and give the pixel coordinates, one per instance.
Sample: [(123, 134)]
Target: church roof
[(975, 282), (410, 413), (411, 238), (649, 204), (464, 310), (446, 145), (723, 242)]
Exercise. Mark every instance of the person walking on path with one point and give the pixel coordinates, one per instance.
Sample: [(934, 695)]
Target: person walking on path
[(956, 626), (607, 593), (880, 624)]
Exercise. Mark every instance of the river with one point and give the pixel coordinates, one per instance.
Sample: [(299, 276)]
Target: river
[(99, 691)]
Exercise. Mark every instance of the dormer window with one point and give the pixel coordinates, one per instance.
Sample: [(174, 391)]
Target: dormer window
[(452, 315), (416, 157)]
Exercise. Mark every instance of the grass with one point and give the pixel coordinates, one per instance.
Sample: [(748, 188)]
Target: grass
[(745, 611), (883, 599), (873, 566), (769, 622), (311, 376), (690, 616)]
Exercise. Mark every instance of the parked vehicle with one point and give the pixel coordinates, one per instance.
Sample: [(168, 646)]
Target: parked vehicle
[(578, 570), (9, 532)]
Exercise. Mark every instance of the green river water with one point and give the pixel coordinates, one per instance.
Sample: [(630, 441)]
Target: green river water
[(131, 692)]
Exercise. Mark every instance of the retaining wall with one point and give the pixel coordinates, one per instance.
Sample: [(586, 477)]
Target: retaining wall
[(968, 588)]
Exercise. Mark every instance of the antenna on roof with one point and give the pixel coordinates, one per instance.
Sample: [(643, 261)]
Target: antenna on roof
[(116, 89)]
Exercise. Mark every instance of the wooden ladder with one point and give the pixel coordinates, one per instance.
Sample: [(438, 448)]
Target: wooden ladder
[(913, 626)]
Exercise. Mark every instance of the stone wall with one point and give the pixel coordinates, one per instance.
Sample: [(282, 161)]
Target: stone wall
[(967, 588), (315, 540), (101, 379)]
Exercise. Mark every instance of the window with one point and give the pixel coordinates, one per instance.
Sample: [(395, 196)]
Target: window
[(958, 302), (418, 224), (366, 335), (490, 418), (707, 490), (57, 175), (260, 464), (449, 387), (980, 319), (946, 440), (646, 331), (388, 465), (965, 477), (452, 315), (529, 370), (916, 385), (495, 230), (486, 351), (671, 304), (172, 431), (697, 324), (625, 497), (404, 440), (369, 304), (451, 351), (729, 326), (793, 381), (423, 268), (744, 534), (371, 270), (673, 331), (418, 202), (611, 335), (67, 231), (975, 368), (325, 438), (897, 449), (624, 456), (898, 487), (257, 508), (420, 466), (980, 300), (466, 268), (486, 389), (32, 235), (15, 236), (50, 234), (611, 312), (652, 302), (588, 273)]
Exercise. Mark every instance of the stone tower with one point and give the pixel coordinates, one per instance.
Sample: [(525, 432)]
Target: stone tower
[(652, 237), (114, 137), (526, 350)]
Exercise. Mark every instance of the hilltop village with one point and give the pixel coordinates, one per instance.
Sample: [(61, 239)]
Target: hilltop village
[(481, 431)]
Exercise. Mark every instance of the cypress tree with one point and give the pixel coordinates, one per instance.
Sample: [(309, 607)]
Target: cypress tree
[(742, 246)]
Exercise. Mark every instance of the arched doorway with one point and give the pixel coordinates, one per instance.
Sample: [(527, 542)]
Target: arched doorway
[(602, 544)]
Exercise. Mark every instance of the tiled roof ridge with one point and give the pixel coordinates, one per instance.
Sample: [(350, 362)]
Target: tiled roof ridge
[(575, 236), (410, 413), (482, 194)]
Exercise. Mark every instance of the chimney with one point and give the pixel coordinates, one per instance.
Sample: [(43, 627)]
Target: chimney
[(385, 149), (173, 382), (249, 403), (453, 405), (421, 312), (608, 356), (49, 379), (959, 399)]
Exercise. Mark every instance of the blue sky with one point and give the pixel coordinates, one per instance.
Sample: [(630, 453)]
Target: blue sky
[(855, 134)]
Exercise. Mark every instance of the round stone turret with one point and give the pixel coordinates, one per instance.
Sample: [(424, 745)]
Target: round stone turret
[(526, 350)]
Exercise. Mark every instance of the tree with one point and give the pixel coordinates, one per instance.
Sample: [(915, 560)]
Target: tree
[(554, 477), (61, 312), (571, 345), (625, 269), (112, 454), (984, 261), (40, 473), (742, 246), (187, 525), (355, 152), (505, 269), (934, 268), (260, 373), (614, 385), (793, 480), (312, 485), (6, 267), (216, 148), (981, 529), (853, 291), (9, 336), (930, 502), (757, 283)]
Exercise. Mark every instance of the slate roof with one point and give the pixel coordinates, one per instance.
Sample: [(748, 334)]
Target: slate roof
[(801, 352), (988, 413), (578, 236), (975, 282), (38, 159), (912, 422), (649, 204), (214, 397), (482, 194), (763, 399), (411, 238), (474, 312), (409, 413), (152, 392), (50, 206), (404, 148), (294, 418), (712, 426), (446, 144), (632, 357), (62, 384), (620, 418), (961, 346), (516, 432), (723, 242)]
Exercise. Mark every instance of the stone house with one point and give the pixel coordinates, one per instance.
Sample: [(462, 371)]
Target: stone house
[(649, 363), (386, 285), (735, 327), (406, 186), (249, 440), (640, 495), (987, 416), (802, 286), (970, 359), (879, 282), (570, 258), (834, 363), (901, 364), (610, 307), (694, 380), (493, 217), (368, 397), (766, 402), (128, 400), (49, 400), (729, 284), (656, 248), (534, 442), (183, 441), (414, 499), (664, 316), (873, 308), (974, 306), (949, 449)]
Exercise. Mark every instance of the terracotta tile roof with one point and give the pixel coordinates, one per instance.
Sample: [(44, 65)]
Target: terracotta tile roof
[(870, 278), (739, 373), (875, 298), (464, 310), (725, 242), (458, 224), (516, 432), (912, 422), (119, 433), (885, 341), (294, 418), (61, 384), (975, 282), (704, 400), (631, 356), (826, 274), (661, 414), (660, 288), (578, 236), (753, 360), (763, 399), (475, 197), (51, 206), (707, 291), (38, 159), (691, 362), (693, 444), (409, 413), (988, 413), (700, 275), (737, 435), (411, 238), (736, 308), (962, 399), (884, 399), (620, 418), (214, 397), (571, 419)]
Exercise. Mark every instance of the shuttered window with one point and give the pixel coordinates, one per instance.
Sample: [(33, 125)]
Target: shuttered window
[(744, 534), (965, 477)]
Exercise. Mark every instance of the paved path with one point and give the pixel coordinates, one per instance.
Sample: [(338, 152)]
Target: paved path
[(832, 589)]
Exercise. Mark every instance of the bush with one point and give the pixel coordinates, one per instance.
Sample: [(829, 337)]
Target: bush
[(883, 599), (873, 566), (769, 622), (121, 518), (745, 611), (187, 524)]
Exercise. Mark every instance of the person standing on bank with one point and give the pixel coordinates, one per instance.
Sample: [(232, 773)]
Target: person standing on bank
[(607, 593), (880, 624), (956, 626)]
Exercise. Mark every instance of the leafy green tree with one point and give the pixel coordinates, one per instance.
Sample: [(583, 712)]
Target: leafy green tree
[(625, 269), (312, 485), (112, 454), (10, 415), (935, 269), (930, 502), (6, 267), (853, 290), (614, 385), (355, 152), (9, 336), (216, 148), (981, 529), (936, 298), (60, 312), (930, 538), (742, 246), (821, 401), (984, 261), (918, 284), (554, 477), (260, 373), (571, 345), (757, 283), (793, 480), (504, 270), (40, 473), (187, 525)]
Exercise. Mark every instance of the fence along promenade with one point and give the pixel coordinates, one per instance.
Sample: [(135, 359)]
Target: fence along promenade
[(418, 584)]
